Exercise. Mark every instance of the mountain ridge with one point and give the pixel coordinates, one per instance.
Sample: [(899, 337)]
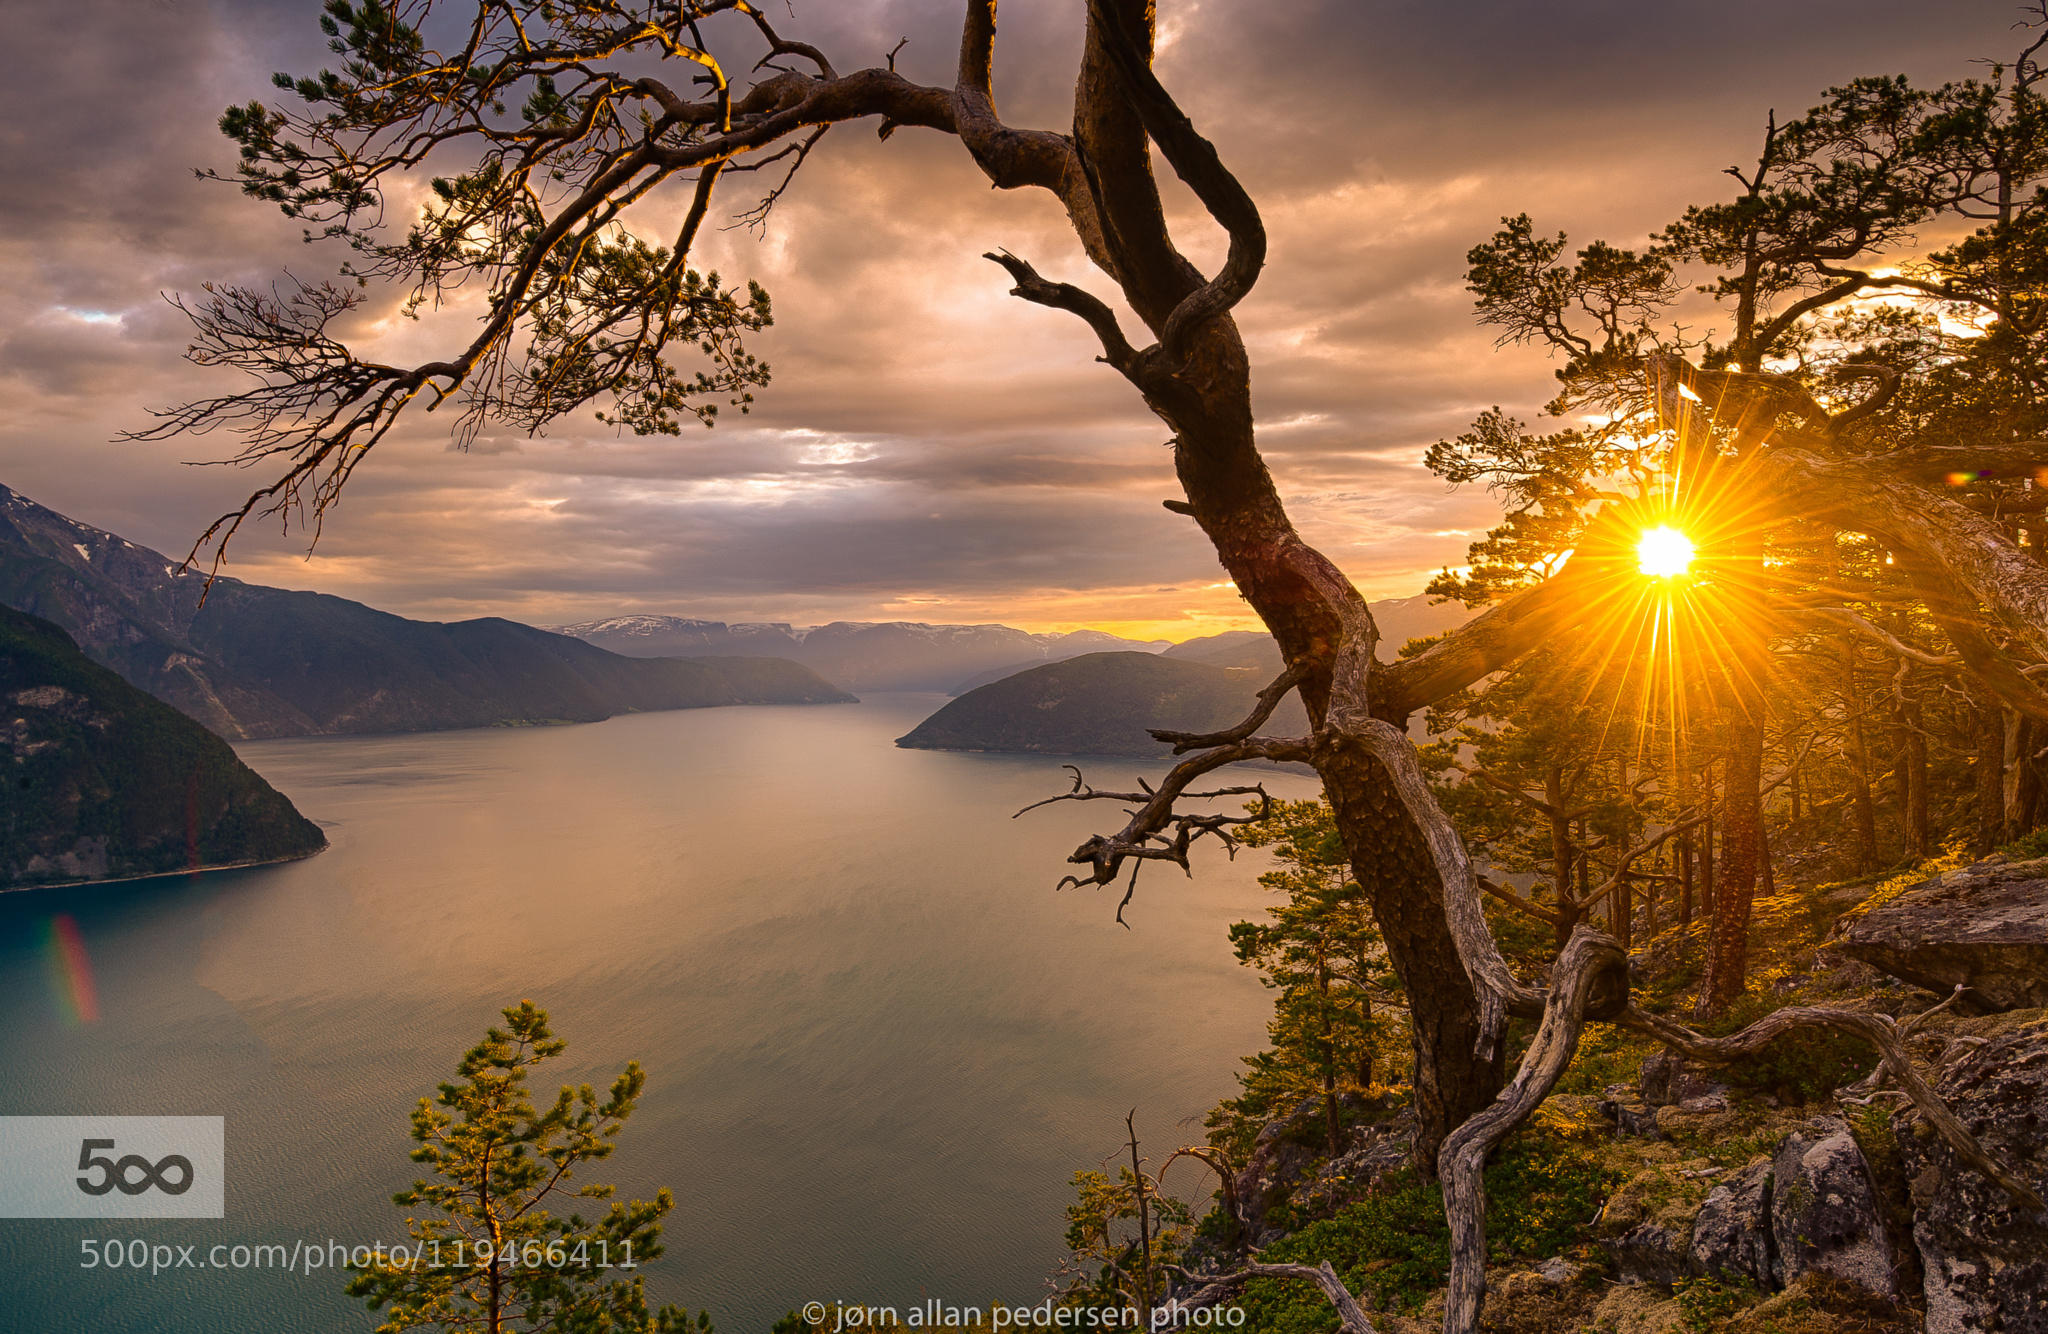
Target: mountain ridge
[(856, 655), (250, 661), (1099, 704), (106, 782)]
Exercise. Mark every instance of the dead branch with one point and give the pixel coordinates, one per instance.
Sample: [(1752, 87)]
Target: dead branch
[(1268, 700), (1116, 349), (1217, 1163), (1880, 1030), (1879, 635), (1589, 979), (1145, 837)]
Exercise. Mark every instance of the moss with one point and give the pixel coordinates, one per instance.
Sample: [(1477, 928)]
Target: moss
[(1608, 1054), (1819, 1304), (1815, 1304), (1525, 1303), (1637, 1308), (2026, 849), (1891, 888), (1705, 1304)]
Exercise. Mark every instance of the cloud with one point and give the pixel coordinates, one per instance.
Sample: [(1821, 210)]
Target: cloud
[(930, 446)]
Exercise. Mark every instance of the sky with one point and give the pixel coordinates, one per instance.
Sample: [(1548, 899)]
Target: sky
[(930, 448)]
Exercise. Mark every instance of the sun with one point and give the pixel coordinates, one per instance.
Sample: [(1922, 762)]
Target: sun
[(1663, 553)]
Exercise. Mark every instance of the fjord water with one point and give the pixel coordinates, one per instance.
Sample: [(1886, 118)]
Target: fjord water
[(877, 1042)]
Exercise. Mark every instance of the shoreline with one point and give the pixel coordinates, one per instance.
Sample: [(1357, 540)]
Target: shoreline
[(162, 875)]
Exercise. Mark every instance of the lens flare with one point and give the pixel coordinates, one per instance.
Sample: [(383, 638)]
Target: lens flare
[(71, 972), (1664, 553)]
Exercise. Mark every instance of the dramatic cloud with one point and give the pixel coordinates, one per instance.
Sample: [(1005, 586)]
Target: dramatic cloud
[(931, 448)]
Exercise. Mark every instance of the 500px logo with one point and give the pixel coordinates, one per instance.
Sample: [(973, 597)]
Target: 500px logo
[(117, 1174), (112, 1167)]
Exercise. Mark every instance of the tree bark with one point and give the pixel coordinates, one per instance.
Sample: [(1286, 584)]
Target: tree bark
[(1990, 803), (1913, 768), (1560, 853), (2022, 779), (1735, 883), (1393, 865)]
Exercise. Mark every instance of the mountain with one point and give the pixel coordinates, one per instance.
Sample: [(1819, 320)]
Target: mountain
[(264, 662), (1399, 620), (1099, 704), (1252, 650), (859, 655), (104, 782)]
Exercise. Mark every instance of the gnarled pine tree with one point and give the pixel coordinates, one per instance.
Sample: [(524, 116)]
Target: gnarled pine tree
[(565, 117)]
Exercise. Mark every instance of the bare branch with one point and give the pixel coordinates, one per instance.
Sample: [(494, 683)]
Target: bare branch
[(1195, 160), (1520, 904), (1881, 636), (1116, 350), (1269, 700), (1145, 837)]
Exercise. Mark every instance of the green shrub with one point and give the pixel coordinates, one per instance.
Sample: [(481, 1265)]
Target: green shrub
[(1394, 1245), (2028, 847)]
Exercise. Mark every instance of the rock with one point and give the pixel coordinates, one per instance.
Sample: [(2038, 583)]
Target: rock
[(1983, 927), (1731, 1238), (1287, 1165), (1697, 1120), (1825, 1214), (1280, 1158), (1370, 1153), (1650, 1253), (1558, 1271), (1810, 1207), (1669, 1079), (1985, 1259), (1630, 1118)]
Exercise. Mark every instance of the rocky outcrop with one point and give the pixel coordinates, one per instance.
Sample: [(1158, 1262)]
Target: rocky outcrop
[(1809, 1207), (1982, 927), (1732, 1237), (1651, 1252), (1825, 1214), (1985, 1259), (1288, 1165)]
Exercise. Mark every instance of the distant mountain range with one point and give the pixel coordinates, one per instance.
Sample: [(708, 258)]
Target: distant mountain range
[(105, 782), (858, 655), (913, 655), (266, 662)]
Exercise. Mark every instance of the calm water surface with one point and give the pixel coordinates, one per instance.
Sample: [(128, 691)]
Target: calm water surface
[(877, 1042)]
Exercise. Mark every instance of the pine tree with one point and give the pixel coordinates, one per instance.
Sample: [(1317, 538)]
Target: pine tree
[(488, 1253)]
